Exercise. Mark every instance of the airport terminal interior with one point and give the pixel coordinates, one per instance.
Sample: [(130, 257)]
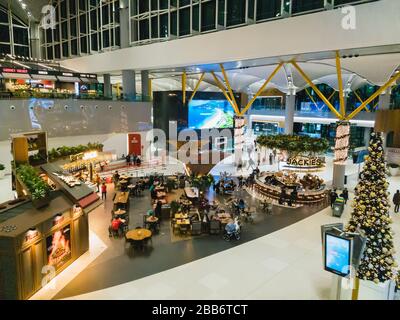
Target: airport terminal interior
[(199, 149)]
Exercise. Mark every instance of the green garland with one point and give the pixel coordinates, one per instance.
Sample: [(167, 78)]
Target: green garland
[(294, 144), (64, 151)]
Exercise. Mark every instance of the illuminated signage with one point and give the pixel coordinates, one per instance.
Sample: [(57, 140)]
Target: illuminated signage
[(305, 162), (89, 155), (42, 72), (9, 70)]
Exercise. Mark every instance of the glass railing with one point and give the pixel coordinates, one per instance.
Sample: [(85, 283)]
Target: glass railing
[(6, 95)]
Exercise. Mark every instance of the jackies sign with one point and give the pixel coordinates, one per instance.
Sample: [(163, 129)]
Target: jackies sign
[(305, 161)]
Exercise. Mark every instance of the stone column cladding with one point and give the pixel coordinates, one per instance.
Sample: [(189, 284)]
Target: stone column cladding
[(145, 83), (129, 84), (289, 112), (124, 21), (107, 85), (35, 41)]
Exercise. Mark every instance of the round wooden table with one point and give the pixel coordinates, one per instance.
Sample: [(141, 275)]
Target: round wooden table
[(152, 219), (119, 212), (138, 234)]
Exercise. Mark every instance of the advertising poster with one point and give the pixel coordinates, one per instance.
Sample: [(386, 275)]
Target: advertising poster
[(59, 247), (337, 255), (135, 143)]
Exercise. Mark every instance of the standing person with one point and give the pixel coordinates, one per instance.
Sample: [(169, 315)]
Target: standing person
[(128, 160), (334, 196), (103, 191), (115, 178), (396, 201), (345, 195), (271, 159), (98, 182), (274, 153)]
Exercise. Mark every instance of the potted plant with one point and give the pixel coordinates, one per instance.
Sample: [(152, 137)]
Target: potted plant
[(38, 190), (393, 169), (2, 171)]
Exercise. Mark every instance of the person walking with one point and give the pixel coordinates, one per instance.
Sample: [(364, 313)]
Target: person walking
[(345, 195), (333, 196), (396, 201), (103, 191)]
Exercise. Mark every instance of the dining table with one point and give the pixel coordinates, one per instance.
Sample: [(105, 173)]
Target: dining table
[(121, 197), (183, 221), (181, 216), (120, 212), (138, 234), (191, 192)]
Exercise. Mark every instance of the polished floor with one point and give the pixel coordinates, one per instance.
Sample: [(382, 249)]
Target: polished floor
[(117, 265), (285, 264)]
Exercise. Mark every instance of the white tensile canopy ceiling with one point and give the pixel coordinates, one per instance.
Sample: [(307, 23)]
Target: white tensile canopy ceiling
[(356, 72)]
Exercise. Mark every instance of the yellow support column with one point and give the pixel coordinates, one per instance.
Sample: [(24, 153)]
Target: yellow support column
[(184, 87), (229, 88), (268, 80), (331, 96), (319, 93), (221, 87), (197, 86), (372, 97), (340, 83)]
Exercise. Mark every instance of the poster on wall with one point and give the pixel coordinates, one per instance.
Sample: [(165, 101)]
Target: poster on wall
[(58, 247), (135, 143)]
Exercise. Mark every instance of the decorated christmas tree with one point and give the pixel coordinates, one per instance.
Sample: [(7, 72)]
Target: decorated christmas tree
[(371, 216)]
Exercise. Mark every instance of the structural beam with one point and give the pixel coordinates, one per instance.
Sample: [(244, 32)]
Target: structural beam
[(184, 87), (319, 93), (359, 99), (340, 83), (222, 88), (197, 86), (372, 97), (229, 87), (331, 96), (312, 98), (268, 80)]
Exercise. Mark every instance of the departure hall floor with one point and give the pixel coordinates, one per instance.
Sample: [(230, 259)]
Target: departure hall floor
[(278, 257)]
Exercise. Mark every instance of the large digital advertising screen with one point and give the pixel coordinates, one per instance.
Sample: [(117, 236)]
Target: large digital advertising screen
[(337, 254), (208, 114)]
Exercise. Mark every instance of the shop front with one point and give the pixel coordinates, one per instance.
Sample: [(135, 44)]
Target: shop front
[(37, 244)]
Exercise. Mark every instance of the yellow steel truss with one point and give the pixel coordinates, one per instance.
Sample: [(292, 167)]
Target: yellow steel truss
[(340, 83), (319, 93), (197, 86), (268, 80)]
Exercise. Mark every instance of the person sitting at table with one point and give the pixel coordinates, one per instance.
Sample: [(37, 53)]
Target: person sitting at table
[(158, 209), (153, 192), (117, 225), (241, 204), (230, 227)]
